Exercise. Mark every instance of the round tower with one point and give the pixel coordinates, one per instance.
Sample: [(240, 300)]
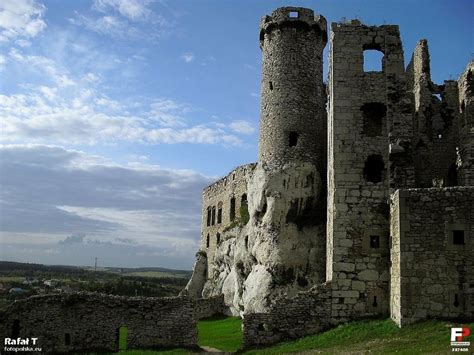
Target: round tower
[(293, 117)]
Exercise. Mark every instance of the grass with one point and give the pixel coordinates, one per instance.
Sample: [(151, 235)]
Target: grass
[(221, 333), (376, 337)]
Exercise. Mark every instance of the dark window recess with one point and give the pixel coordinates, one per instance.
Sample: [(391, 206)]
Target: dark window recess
[(219, 215), (373, 168), (232, 209), (375, 241), (213, 218), (293, 139), (463, 106), (16, 329), (218, 238), (270, 85), (374, 303), (456, 300), (452, 175), (208, 216), (67, 339), (373, 114), (207, 241), (246, 242), (373, 58), (458, 237)]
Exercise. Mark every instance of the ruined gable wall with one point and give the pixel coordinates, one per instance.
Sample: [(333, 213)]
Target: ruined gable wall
[(435, 134), (431, 276), (358, 208), (220, 193), (466, 126), (92, 321)]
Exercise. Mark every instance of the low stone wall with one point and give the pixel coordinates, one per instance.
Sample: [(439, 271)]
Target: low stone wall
[(289, 318), (208, 307), (90, 321), (432, 252)]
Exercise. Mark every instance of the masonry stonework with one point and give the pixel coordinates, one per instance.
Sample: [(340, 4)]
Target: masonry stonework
[(350, 206)]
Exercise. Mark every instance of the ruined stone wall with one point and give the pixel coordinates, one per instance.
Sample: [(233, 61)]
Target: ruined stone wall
[(219, 196), (307, 313), (88, 321), (432, 273), (208, 307), (465, 160), (363, 109), (435, 133)]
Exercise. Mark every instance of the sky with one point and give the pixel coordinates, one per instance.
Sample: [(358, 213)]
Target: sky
[(115, 114)]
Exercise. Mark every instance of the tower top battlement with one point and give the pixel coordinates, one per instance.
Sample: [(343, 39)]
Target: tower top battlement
[(293, 17)]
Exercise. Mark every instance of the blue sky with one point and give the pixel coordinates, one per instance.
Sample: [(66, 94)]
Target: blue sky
[(116, 113)]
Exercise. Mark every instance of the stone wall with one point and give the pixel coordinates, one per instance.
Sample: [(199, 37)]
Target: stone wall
[(307, 313), (432, 273), (89, 321), (225, 195), (364, 108), (435, 131), (208, 307), (465, 161)]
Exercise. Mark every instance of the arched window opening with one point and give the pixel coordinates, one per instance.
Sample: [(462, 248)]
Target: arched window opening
[(293, 139), (219, 213), (244, 209), (373, 114), (373, 58), (218, 238), (208, 216), (232, 209), (213, 218), (373, 169)]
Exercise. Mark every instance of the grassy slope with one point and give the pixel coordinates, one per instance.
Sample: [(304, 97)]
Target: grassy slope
[(374, 336), (223, 334)]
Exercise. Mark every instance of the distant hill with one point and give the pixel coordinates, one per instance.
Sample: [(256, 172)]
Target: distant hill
[(10, 266)]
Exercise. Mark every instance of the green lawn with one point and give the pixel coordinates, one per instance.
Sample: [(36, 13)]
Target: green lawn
[(221, 333), (374, 336)]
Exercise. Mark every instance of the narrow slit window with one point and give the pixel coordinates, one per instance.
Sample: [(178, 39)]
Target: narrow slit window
[(375, 241), (207, 241), (456, 300), (218, 238), (67, 339), (270, 85), (232, 209), (293, 139), (374, 303), (458, 237), (213, 218)]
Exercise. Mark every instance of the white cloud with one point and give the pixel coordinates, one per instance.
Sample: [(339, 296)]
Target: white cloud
[(43, 65), (20, 18), (131, 9), (124, 19), (243, 127), (42, 116), (77, 204), (188, 57)]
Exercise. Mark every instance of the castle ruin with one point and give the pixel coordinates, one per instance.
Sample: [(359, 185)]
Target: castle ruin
[(360, 205), (361, 202)]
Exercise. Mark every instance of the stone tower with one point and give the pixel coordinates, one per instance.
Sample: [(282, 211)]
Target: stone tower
[(293, 121)]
